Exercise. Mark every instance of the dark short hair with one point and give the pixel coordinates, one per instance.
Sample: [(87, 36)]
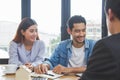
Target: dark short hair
[(114, 5), (75, 19)]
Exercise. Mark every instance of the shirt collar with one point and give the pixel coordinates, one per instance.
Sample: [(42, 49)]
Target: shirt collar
[(86, 44)]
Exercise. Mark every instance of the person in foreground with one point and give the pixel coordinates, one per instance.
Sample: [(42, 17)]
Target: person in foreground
[(71, 55), (104, 63), (26, 48)]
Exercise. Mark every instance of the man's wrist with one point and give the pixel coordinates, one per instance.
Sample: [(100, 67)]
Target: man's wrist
[(47, 65)]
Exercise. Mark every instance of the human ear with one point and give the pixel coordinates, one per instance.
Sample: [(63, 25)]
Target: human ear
[(68, 30), (22, 32), (110, 15)]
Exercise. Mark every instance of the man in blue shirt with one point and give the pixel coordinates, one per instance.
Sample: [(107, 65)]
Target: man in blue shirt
[(71, 55)]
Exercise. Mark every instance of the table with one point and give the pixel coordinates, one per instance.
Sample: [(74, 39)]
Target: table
[(7, 77), (66, 77)]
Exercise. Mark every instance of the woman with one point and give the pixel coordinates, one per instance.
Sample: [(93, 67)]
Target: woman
[(26, 48)]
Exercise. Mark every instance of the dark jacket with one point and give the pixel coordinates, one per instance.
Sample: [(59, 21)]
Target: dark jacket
[(104, 63)]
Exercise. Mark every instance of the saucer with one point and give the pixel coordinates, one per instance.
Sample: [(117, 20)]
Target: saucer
[(9, 72)]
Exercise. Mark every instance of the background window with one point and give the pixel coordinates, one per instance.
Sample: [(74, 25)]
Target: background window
[(10, 16), (47, 14), (92, 13)]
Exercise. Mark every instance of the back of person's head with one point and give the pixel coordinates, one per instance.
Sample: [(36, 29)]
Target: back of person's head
[(114, 5), (75, 19), (24, 25)]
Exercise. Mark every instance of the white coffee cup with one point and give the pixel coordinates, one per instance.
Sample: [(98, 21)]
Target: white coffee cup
[(2, 69), (10, 68)]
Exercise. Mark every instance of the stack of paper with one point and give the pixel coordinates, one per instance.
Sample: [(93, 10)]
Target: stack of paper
[(50, 74)]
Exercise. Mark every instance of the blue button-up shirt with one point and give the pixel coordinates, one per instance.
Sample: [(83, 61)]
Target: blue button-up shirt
[(63, 52)]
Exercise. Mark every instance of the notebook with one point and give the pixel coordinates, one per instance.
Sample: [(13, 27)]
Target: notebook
[(50, 74)]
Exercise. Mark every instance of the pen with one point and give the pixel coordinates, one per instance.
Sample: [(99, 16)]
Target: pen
[(49, 74)]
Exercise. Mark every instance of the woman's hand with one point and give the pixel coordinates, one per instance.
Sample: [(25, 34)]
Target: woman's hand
[(29, 65)]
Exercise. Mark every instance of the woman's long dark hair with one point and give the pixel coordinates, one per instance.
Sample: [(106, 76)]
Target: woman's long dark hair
[(24, 24)]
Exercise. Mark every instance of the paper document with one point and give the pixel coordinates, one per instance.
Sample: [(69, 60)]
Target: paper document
[(50, 74), (79, 74)]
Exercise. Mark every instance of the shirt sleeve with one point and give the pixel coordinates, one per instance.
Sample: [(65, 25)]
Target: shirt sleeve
[(13, 54), (54, 59)]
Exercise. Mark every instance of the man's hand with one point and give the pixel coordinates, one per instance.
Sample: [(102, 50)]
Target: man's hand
[(59, 69), (42, 68)]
